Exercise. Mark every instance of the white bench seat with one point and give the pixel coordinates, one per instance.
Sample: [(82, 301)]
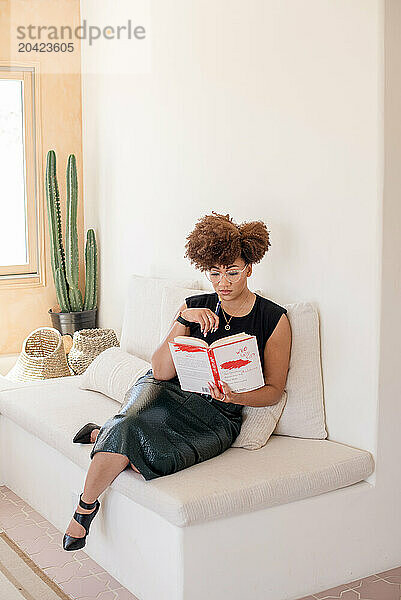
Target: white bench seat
[(286, 469), (246, 518)]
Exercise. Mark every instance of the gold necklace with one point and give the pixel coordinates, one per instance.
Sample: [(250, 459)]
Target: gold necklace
[(227, 325)]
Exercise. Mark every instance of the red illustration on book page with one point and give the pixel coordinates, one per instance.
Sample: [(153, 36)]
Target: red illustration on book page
[(187, 348), (235, 364)]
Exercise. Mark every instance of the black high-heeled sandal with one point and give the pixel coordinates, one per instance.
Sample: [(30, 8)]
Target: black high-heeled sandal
[(74, 543), (84, 434)]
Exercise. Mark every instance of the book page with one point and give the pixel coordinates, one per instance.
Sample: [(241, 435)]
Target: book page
[(238, 364), (192, 366), (229, 338)]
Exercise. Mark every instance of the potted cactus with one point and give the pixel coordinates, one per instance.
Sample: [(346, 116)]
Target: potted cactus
[(75, 313)]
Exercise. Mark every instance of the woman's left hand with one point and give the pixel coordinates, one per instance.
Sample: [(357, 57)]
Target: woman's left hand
[(226, 396)]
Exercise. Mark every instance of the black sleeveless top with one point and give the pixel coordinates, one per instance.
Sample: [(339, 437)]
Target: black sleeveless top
[(260, 321)]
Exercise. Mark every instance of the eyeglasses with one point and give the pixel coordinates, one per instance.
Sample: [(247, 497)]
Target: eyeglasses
[(232, 275)]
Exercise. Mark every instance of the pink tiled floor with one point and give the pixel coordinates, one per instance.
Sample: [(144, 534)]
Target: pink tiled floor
[(83, 579), (382, 586), (74, 572)]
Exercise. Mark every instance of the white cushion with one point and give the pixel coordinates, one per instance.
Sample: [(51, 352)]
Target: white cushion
[(257, 423), (141, 323), (113, 372), (55, 410), (303, 415), (284, 470), (9, 384)]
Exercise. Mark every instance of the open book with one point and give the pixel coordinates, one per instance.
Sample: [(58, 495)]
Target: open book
[(234, 359)]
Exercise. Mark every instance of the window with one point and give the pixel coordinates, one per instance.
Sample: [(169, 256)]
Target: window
[(19, 206)]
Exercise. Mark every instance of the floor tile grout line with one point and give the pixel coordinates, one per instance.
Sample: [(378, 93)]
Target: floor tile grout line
[(390, 582), (115, 595), (80, 577), (355, 589), (328, 597)]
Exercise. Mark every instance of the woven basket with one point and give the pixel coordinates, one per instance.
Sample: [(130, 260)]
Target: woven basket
[(87, 344), (42, 357)]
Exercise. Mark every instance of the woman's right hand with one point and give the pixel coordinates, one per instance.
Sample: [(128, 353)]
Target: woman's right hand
[(207, 319)]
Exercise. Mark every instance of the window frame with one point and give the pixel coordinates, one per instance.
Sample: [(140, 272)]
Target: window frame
[(30, 274)]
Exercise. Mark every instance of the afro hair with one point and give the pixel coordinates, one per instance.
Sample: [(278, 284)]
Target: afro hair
[(217, 240)]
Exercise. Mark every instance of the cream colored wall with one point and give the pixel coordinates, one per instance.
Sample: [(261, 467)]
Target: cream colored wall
[(269, 110), (278, 110), (22, 310)]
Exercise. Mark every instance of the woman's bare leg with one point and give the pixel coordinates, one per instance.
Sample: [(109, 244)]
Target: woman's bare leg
[(94, 435), (104, 468)]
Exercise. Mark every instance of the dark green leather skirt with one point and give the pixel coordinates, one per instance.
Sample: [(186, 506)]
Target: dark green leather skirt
[(163, 429)]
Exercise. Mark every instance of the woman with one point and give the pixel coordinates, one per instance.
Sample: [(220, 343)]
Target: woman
[(162, 429)]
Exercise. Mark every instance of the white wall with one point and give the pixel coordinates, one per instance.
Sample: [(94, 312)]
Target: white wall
[(272, 110)]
